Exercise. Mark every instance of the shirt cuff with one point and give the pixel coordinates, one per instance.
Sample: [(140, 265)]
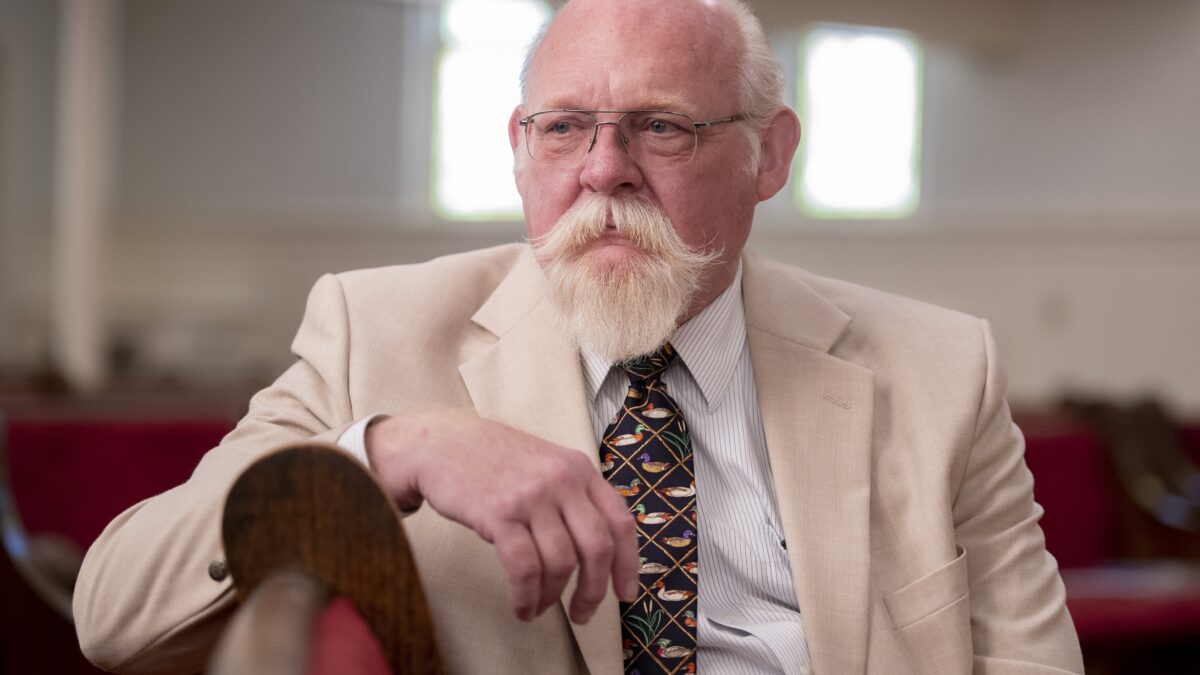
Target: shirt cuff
[(354, 439)]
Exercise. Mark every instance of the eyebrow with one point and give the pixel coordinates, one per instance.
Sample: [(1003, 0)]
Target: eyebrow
[(667, 103)]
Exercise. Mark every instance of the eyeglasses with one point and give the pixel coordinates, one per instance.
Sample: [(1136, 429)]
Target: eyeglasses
[(651, 137)]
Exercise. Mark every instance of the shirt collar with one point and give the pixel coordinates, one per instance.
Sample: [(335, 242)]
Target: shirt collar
[(709, 344)]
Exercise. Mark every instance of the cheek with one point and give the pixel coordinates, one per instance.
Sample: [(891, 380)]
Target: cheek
[(712, 210), (545, 197)]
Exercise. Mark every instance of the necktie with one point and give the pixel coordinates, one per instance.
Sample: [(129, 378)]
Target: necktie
[(646, 453)]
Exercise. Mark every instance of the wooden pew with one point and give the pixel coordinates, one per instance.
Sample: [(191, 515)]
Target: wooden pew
[(312, 541)]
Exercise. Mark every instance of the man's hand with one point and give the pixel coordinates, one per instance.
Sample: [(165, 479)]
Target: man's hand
[(543, 506)]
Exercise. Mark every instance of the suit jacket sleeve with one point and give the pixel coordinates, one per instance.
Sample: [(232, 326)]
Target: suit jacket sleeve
[(1019, 620), (144, 601)]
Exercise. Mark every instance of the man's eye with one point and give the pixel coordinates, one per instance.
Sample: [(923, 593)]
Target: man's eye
[(564, 126), (659, 126)]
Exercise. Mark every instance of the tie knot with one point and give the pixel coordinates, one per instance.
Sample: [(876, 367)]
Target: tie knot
[(649, 367)]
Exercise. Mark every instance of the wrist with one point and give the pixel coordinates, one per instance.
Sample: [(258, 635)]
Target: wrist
[(394, 458)]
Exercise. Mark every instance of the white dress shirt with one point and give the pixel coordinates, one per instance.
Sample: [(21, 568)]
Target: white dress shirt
[(747, 614)]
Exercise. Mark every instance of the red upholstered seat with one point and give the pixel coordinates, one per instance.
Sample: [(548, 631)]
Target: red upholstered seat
[(1073, 481), (72, 477), (1126, 607), (344, 643), (1151, 619)]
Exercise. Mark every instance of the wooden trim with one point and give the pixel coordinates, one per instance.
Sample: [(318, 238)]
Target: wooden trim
[(313, 508)]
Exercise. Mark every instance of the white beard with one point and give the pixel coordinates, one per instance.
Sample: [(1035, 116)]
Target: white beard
[(625, 309)]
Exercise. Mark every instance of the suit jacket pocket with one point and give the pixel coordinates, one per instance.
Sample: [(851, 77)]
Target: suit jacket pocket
[(930, 593), (932, 618)]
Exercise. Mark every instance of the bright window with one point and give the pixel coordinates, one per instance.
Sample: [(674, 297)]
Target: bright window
[(484, 44), (860, 103)]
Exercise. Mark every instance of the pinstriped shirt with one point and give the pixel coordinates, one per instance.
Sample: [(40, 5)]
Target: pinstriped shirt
[(748, 618)]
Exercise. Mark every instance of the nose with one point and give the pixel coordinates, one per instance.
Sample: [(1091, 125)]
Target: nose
[(608, 167)]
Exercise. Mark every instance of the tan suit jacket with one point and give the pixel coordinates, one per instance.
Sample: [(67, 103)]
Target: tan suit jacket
[(913, 534)]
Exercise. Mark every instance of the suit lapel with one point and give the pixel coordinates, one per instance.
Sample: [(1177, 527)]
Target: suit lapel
[(530, 379), (817, 413)]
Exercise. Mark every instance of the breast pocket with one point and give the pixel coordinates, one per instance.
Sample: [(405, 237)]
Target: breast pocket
[(932, 618)]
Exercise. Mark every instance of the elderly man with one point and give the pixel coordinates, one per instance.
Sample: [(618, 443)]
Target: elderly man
[(795, 474)]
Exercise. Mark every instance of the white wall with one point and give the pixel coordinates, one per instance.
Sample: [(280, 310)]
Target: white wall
[(262, 147), (288, 110), (28, 50), (1088, 118), (1061, 200)]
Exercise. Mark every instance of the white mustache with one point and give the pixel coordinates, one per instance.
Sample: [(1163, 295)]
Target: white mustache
[(629, 307), (642, 221)]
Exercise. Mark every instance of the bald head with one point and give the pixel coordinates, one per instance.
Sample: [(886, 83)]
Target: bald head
[(722, 38), (609, 42)]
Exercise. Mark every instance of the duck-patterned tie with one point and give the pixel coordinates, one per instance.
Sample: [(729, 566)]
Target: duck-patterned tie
[(647, 454)]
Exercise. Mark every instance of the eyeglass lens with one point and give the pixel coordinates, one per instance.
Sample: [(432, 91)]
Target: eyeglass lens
[(649, 136)]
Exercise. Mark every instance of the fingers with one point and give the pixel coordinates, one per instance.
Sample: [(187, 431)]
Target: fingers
[(522, 564), (623, 530), (595, 548), (589, 529), (557, 554)]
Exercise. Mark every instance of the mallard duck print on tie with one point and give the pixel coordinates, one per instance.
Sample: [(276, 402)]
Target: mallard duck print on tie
[(646, 453)]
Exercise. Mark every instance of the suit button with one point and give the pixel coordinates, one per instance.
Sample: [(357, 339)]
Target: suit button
[(218, 570)]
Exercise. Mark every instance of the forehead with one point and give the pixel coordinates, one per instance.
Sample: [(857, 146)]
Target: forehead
[(624, 54)]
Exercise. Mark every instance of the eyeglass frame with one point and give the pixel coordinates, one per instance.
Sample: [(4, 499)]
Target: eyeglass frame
[(696, 126)]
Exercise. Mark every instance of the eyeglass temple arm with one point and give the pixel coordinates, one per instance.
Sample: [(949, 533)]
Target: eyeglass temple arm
[(713, 123)]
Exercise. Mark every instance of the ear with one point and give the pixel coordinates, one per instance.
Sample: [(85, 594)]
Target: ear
[(779, 141), (515, 132)]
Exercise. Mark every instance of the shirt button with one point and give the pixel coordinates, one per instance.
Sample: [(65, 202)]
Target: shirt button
[(218, 570)]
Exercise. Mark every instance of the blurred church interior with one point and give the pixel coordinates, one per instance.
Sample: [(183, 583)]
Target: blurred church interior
[(175, 175)]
